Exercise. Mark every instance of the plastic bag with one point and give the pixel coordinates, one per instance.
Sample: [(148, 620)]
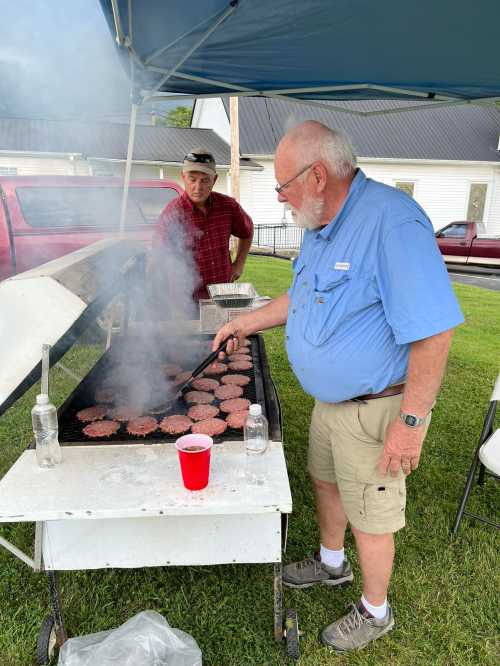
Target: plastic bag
[(145, 640)]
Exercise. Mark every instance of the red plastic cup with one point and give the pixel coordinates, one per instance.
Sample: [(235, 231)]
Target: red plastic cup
[(194, 459)]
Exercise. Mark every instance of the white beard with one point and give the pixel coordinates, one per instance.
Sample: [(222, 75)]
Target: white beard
[(309, 216)]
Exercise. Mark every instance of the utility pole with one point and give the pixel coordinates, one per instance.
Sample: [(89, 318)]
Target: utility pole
[(235, 160), (235, 148)]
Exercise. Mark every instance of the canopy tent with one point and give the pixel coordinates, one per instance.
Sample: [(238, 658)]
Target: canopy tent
[(309, 50), (312, 49)]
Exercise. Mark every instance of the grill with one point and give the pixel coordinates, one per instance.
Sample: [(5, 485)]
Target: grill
[(260, 390), (124, 505)]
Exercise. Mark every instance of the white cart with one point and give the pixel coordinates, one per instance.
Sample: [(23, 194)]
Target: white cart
[(124, 505)]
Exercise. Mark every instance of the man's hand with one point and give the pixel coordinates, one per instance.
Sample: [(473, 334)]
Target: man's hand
[(236, 270), (232, 330), (402, 448)]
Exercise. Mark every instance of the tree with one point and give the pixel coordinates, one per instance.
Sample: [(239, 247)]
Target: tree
[(178, 117)]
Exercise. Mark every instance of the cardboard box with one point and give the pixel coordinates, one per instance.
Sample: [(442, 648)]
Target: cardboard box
[(212, 316)]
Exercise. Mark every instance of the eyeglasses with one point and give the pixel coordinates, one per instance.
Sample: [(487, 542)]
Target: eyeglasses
[(280, 188), (201, 158)]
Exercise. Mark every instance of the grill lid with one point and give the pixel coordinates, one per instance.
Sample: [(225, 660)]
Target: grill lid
[(54, 303)]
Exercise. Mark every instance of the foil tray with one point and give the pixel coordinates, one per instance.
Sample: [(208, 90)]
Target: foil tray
[(232, 294)]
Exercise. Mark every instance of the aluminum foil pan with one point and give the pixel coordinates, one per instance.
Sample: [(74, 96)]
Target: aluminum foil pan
[(232, 294)]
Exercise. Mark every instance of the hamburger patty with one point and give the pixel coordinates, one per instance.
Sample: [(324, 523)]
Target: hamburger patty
[(239, 357), (182, 377), (202, 412), (216, 369), (210, 427), (240, 365), (199, 397), (175, 425), (95, 413), (101, 428), (227, 392), (124, 413), (142, 426), (171, 369), (237, 419), (205, 384), (238, 380), (234, 405)]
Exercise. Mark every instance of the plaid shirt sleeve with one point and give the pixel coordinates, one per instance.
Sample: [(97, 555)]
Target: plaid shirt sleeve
[(241, 223)]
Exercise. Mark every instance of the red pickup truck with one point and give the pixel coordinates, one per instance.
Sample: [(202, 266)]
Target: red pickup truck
[(460, 243), (45, 217)]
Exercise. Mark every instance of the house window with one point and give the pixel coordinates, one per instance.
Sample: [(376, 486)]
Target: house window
[(405, 185), (104, 169), (477, 201), (8, 171)]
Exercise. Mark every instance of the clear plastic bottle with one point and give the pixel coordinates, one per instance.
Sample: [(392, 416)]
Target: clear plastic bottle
[(45, 428), (256, 435)]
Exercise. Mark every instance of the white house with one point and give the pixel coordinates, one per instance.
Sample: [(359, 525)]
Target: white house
[(33, 147), (447, 158)]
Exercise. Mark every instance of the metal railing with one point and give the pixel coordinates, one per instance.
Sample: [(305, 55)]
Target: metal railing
[(277, 236)]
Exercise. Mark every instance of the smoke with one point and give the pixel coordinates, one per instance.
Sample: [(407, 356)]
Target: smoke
[(57, 59), (161, 349)]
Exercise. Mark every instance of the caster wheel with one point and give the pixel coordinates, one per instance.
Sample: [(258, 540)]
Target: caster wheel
[(46, 645), (292, 633)]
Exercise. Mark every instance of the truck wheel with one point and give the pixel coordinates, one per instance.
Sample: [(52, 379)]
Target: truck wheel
[(292, 633), (46, 645)]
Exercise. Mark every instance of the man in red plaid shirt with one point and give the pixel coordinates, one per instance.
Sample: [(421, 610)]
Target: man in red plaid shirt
[(207, 220)]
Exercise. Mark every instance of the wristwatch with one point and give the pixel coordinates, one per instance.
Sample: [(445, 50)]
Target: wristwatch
[(411, 420)]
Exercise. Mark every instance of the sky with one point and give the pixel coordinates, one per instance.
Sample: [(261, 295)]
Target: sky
[(58, 59)]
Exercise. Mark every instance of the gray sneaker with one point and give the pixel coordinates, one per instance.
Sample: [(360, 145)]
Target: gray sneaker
[(312, 571), (355, 630)]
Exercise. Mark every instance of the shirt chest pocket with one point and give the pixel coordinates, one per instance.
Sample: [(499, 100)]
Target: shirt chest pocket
[(336, 297)]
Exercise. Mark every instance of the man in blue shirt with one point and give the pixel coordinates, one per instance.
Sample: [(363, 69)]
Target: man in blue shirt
[(369, 320)]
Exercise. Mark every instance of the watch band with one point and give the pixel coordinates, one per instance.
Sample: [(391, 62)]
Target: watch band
[(411, 420)]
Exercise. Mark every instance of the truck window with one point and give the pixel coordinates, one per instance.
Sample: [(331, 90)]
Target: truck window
[(152, 200), (453, 231), (63, 207)]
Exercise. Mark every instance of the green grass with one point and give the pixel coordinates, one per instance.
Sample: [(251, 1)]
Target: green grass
[(445, 593)]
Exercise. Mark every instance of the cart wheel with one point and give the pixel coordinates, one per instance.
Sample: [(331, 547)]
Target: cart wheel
[(292, 633), (47, 642)]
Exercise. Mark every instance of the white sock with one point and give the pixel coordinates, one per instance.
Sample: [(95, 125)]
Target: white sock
[(332, 558), (377, 611)]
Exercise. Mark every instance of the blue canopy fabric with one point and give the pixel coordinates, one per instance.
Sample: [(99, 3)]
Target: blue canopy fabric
[(313, 49)]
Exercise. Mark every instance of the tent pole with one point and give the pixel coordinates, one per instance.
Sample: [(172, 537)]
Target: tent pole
[(128, 165)]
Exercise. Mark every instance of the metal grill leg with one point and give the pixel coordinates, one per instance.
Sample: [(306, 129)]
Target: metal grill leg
[(278, 602), (55, 601)]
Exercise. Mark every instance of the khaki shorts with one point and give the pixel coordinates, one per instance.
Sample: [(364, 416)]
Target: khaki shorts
[(345, 445)]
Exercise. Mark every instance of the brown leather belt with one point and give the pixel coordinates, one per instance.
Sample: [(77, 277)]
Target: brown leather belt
[(391, 390)]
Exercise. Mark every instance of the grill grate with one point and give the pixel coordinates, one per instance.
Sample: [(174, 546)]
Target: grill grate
[(70, 428)]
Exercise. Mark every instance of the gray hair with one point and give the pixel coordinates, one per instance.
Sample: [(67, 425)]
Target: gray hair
[(317, 142)]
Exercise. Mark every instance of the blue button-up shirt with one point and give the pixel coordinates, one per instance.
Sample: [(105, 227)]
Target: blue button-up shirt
[(365, 286)]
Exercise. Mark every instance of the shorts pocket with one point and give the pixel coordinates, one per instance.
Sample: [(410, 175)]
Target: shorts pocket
[(384, 505)]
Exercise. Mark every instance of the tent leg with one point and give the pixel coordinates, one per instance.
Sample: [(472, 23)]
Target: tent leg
[(128, 165)]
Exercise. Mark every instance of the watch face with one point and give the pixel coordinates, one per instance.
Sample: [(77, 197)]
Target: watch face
[(410, 420)]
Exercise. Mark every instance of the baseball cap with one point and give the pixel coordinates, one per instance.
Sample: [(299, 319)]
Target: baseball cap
[(199, 159)]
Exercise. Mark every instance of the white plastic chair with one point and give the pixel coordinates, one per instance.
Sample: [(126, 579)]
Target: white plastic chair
[(486, 456)]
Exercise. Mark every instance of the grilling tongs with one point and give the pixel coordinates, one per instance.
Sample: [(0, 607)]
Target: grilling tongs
[(204, 364), (185, 385)]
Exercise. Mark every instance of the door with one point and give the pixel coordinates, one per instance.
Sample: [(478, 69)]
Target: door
[(453, 242)]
